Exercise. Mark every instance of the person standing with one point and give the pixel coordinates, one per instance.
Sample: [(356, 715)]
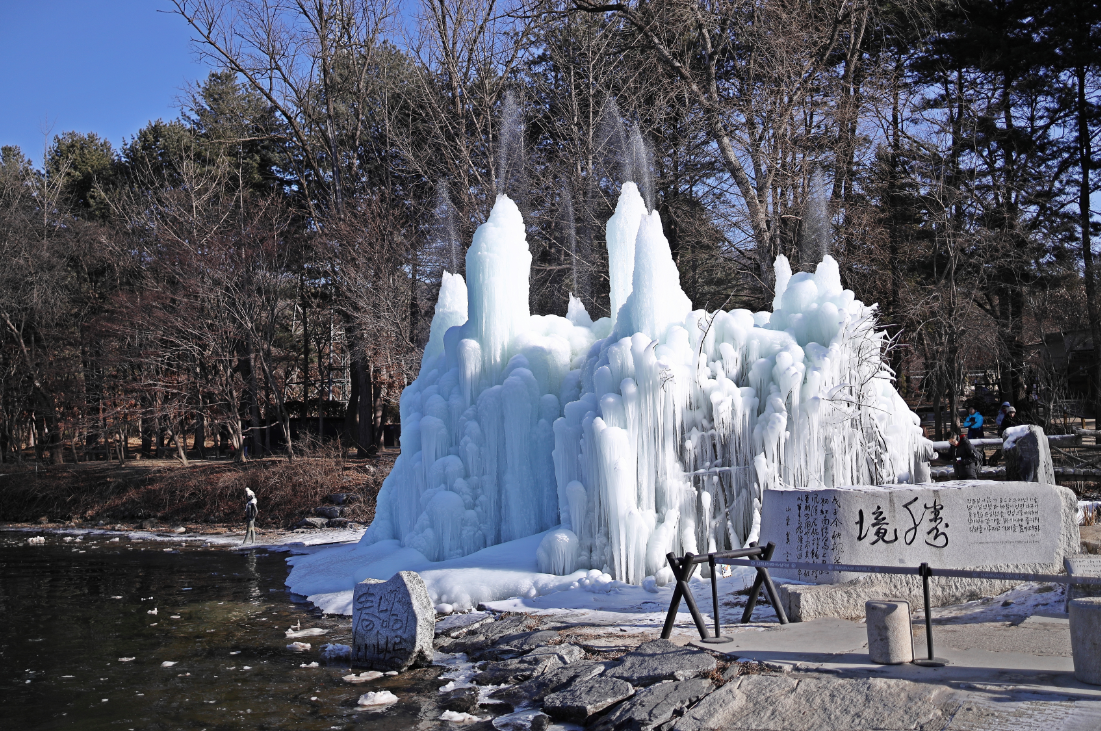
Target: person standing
[(973, 424), (1001, 415), (251, 511), (1009, 421), (965, 459)]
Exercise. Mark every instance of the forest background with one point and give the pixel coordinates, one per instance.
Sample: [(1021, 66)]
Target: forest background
[(266, 264)]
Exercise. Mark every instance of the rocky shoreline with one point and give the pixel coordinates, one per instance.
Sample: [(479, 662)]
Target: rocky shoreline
[(540, 671)]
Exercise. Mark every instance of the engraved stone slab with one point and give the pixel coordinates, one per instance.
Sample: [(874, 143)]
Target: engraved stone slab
[(1082, 565), (998, 526), (957, 524), (393, 623)]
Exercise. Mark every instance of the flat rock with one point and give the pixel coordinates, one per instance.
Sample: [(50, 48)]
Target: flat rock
[(569, 653), (518, 644), (517, 669), (313, 522), (460, 700), (770, 702), (584, 698), (650, 707), (660, 660), (327, 511), (530, 640), (471, 643), (555, 680), (455, 625), (609, 644), (392, 623), (515, 624), (475, 640), (525, 719)]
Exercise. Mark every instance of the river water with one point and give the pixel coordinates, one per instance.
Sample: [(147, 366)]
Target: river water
[(71, 611)]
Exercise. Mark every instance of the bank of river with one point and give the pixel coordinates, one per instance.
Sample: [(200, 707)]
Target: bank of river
[(72, 610)]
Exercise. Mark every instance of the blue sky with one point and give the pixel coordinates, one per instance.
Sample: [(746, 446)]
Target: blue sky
[(103, 66)]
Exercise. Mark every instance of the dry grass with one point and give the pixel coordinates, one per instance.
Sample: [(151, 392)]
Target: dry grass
[(204, 491)]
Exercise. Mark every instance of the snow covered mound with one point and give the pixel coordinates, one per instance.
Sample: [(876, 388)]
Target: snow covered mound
[(653, 431)]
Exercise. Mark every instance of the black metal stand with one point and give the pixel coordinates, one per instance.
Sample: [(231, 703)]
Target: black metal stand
[(763, 579), (683, 568), (932, 661), (718, 638)]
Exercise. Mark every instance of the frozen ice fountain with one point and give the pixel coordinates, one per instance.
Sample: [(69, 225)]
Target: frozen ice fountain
[(620, 440)]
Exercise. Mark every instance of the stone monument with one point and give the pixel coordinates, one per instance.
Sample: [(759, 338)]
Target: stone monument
[(1027, 455), (393, 623), (1006, 526)]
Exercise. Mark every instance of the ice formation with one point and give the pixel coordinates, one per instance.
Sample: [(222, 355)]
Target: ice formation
[(652, 431)]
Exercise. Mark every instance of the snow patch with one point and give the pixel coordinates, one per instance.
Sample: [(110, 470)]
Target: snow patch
[(376, 699)]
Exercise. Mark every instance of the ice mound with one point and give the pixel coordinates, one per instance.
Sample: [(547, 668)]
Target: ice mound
[(376, 698), (601, 446)]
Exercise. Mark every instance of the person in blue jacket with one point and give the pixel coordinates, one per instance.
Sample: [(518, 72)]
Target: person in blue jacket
[(973, 424)]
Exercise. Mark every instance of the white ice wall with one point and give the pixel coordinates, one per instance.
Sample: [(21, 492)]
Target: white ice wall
[(658, 435)]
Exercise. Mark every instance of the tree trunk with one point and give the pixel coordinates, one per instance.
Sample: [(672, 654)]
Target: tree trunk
[(937, 420), (365, 433), (237, 439), (378, 409), (894, 200), (1085, 160), (200, 431), (348, 436), (305, 357), (176, 438), (253, 399)]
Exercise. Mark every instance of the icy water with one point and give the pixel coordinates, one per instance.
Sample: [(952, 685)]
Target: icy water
[(72, 610)]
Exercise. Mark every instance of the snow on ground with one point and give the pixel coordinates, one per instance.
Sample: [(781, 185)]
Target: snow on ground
[(1020, 602), (503, 578)]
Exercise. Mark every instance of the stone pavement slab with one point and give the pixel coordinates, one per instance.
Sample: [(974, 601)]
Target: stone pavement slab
[(839, 647), (815, 641), (811, 701)]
